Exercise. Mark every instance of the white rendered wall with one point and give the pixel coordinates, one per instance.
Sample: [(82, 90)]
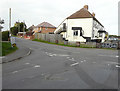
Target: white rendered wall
[(85, 23)]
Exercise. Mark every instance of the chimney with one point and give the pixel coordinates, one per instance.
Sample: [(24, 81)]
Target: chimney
[(86, 7), (93, 14)]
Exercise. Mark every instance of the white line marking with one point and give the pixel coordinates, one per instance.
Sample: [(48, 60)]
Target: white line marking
[(14, 72), (74, 64), (62, 55), (117, 66), (117, 56), (51, 55), (27, 63), (68, 57), (37, 66)]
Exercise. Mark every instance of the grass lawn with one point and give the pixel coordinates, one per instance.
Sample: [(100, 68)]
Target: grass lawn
[(7, 49), (81, 45)]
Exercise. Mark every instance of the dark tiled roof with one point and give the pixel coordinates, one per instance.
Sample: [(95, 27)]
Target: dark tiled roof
[(83, 13), (45, 24)]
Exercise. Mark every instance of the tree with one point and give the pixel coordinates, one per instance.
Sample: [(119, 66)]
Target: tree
[(14, 30), (18, 27), (1, 22)]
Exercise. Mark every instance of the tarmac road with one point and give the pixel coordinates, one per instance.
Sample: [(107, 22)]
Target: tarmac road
[(57, 67)]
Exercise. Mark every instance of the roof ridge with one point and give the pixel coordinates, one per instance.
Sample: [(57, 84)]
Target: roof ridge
[(45, 24), (83, 13)]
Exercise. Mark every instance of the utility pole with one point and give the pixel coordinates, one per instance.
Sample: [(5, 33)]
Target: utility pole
[(9, 21)]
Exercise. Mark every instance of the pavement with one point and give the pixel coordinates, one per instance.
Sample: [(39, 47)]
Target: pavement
[(57, 67), (18, 54)]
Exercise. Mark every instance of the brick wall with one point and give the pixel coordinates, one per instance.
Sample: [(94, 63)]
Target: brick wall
[(47, 30)]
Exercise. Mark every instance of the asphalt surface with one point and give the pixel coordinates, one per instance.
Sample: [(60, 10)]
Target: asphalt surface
[(57, 67), (21, 52)]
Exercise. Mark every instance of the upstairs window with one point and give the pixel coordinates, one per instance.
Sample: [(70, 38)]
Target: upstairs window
[(64, 26), (100, 34)]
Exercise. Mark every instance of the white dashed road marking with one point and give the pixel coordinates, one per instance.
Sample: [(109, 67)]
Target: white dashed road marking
[(27, 63), (14, 72), (37, 66), (117, 56), (74, 64), (117, 66)]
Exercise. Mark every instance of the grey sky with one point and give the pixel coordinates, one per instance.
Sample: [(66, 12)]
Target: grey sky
[(34, 12)]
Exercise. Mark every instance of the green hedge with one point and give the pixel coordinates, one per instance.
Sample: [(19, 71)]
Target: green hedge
[(5, 35)]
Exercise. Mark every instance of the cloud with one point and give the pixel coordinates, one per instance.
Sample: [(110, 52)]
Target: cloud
[(55, 11)]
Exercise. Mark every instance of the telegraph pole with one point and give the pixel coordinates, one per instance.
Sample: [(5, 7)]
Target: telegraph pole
[(12, 39), (9, 21)]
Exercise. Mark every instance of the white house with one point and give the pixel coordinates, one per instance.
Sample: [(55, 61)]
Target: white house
[(82, 26)]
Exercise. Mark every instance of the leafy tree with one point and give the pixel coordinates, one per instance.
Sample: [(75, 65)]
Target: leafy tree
[(1, 22), (18, 27), (14, 30)]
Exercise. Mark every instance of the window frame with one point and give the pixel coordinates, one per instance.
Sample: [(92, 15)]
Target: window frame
[(75, 33)]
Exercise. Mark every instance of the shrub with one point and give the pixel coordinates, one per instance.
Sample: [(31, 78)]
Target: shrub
[(5, 35)]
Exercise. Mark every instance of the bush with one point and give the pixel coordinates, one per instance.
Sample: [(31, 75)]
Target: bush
[(5, 35)]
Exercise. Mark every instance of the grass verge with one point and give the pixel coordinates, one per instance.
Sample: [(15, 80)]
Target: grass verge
[(7, 49), (81, 45)]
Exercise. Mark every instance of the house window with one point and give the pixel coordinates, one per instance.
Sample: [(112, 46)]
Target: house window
[(100, 34), (75, 33), (64, 26)]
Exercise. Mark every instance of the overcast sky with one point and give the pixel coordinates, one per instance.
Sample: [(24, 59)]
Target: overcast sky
[(34, 12)]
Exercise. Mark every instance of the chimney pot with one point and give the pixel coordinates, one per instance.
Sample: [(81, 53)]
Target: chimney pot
[(93, 14), (86, 7)]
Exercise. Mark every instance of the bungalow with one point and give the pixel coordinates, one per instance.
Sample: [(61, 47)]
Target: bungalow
[(82, 26), (44, 27)]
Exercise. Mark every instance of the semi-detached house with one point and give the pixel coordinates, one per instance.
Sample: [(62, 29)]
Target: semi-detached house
[(44, 27), (82, 26)]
